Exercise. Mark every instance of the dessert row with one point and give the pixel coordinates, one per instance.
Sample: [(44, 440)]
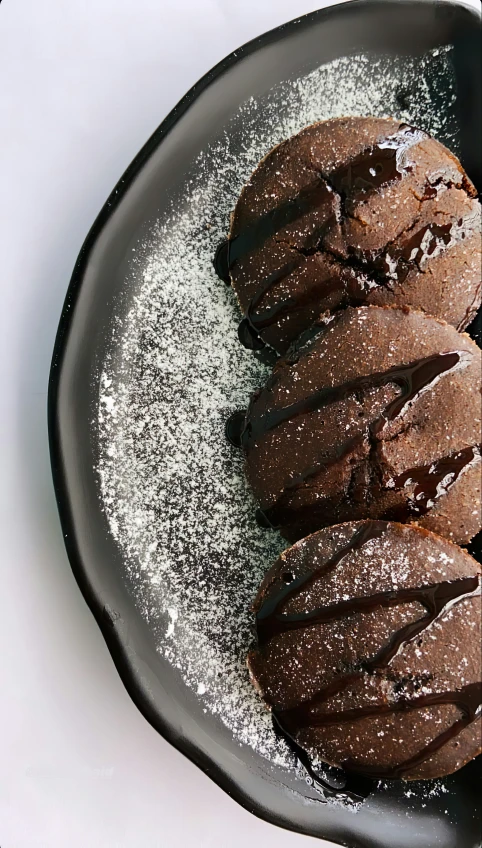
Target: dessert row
[(355, 252)]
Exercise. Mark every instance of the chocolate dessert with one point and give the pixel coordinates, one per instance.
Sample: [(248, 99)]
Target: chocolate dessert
[(368, 649), (376, 415), (352, 211)]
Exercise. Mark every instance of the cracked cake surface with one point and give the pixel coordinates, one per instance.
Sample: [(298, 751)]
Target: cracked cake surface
[(376, 413), (351, 211), (367, 650)]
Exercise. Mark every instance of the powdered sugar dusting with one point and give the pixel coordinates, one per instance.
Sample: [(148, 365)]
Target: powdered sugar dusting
[(172, 489)]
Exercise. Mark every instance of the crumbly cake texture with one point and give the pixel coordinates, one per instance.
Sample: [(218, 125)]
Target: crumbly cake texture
[(173, 491), (347, 457), (363, 210), (292, 667)]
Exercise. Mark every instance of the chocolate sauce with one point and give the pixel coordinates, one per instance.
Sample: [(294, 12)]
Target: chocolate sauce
[(279, 513), (270, 316), (270, 621), (431, 483), (376, 166), (352, 787), (469, 702), (412, 379), (368, 272), (309, 198), (373, 168), (248, 336), (353, 290), (221, 261), (309, 337), (269, 612), (436, 599), (234, 428), (396, 263), (470, 694), (263, 520), (425, 242), (273, 279), (250, 326), (468, 699)]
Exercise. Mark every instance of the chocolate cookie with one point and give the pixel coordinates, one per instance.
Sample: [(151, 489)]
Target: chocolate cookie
[(369, 649), (351, 211), (378, 415)]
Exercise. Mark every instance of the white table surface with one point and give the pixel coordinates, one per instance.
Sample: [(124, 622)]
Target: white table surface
[(82, 86)]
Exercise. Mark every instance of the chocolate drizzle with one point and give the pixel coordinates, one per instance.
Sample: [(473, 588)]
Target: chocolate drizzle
[(431, 483), (310, 198), (396, 263), (437, 599), (354, 281), (234, 428), (353, 288), (306, 716), (353, 787), (221, 262), (468, 699), (360, 273), (434, 598), (252, 324), (383, 163), (267, 615), (248, 336), (280, 512), (413, 379)]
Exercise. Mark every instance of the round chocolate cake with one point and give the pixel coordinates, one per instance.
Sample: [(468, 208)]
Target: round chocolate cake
[(368, 649), (377, 415), (351, 211)]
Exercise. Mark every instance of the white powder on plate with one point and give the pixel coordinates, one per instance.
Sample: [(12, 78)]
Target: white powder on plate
[(171, 487)]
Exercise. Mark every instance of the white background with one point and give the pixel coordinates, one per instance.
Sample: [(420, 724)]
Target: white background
[(83, 83)]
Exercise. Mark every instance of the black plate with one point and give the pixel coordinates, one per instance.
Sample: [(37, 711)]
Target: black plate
[(97, 294)]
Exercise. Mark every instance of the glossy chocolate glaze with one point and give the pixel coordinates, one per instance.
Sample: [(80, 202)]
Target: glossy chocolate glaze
[(280, 512), (468, 699), (354, 787), (376, 166), (369, 272), (221, 262), (431, 483), (398, 261), (309, 198), (271, 608), (234, 428), (354, 289)]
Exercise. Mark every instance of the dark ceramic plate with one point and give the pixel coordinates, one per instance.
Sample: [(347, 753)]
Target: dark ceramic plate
[(98, 300)]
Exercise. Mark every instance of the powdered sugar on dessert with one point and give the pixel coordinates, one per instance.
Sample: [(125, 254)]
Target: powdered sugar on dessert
[(171, 487)]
